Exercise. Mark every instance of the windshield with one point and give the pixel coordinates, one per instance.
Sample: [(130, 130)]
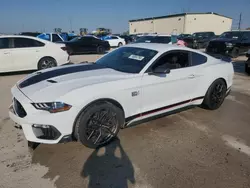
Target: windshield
[(201, 35), (154, 39), (127, 59), (75, 39), (231, 35)]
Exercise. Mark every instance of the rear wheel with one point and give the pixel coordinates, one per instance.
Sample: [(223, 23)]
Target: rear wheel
[(98, 124), (215, 95), (46, 62), (100, 50), (120, 44)]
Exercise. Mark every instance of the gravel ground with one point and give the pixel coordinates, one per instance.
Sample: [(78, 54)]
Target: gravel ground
[(194, 148)]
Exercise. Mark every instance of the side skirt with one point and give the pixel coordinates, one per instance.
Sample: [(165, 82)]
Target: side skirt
[(141, 116)]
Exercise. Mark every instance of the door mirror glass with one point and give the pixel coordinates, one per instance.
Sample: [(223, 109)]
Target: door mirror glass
[(161, 70)]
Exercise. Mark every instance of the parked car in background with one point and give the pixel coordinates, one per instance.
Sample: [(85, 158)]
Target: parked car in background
[(182, 36), (52, 37), (247, 64), (163, 39), (92, 102), (115, 41), (199, 40), (31, 34), (67, 36), (86, 44), (232, 43), (128, 39), (18, 53)]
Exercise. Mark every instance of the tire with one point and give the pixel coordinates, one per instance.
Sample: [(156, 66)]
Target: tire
[(46, 62), (100, 50), (89, 127), (120, 44), (247, 69), (215, 95), (235, 52)]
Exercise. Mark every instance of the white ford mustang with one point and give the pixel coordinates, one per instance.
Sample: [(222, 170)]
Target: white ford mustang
[(91, 102)]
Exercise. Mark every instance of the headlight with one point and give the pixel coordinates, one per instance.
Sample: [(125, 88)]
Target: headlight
[(52, 107), (229, 44)]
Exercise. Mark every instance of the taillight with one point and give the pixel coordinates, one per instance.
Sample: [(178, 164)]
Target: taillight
[(64, 48)]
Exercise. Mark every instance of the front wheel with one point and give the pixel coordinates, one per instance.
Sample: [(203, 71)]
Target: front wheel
[(120, 44), (235, 52), (98, 124), (215, 95)]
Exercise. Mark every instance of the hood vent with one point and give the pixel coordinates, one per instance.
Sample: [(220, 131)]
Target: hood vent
[(52, 81)]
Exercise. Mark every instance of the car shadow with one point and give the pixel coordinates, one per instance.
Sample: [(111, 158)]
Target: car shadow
[(108, 170), (88, 53), (17, 73)]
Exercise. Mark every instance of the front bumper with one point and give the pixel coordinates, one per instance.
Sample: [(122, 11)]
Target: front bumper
[(41, 126)]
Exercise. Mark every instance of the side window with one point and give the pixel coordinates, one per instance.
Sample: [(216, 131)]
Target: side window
[(4, 43), (26, 43), (198, 59), (246, 36), (44, 36), (173, 60), (113, 37), (56, 38)]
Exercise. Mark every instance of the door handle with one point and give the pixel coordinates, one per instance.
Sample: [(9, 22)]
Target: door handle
[(191, 76), (6, 53)]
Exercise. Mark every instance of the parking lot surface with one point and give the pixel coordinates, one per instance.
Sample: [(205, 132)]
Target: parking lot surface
[(194, 148)]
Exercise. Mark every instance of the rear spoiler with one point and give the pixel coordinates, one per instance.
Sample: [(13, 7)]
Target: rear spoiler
[(221, 57)]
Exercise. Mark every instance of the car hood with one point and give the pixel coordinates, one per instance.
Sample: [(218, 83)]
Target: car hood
[(48, 85), (224, 40)]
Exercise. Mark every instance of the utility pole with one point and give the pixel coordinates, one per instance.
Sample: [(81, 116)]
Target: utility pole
[(70, 22), (239, 22)]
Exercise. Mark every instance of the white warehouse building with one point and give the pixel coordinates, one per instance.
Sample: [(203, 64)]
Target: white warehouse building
[(186, 23)]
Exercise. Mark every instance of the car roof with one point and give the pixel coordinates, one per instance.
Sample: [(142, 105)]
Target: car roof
[(158, 47), (24, 36)]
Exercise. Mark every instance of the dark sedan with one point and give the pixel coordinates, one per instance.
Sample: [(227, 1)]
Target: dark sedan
[(86, 44)]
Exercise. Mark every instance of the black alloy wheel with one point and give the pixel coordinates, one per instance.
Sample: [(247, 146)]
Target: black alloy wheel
[(99, 124), (218, 94), (215, 95)]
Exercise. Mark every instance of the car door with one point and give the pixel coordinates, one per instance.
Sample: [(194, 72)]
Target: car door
[(6, 59), (174, 89), (113, 41), (26, 53)]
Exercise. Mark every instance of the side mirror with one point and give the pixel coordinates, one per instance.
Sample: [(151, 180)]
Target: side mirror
[(160, 70)]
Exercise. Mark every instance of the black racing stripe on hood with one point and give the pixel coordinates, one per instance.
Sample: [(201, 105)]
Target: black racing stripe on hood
[(58, 72)]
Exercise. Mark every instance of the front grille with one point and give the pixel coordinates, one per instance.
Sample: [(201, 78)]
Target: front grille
[(216, 47), (18, 108)]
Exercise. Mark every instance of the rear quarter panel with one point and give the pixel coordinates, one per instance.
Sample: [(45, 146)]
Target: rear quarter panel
[(216, 69)]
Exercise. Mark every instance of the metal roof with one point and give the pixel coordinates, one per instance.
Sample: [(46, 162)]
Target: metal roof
[(176, 15)]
